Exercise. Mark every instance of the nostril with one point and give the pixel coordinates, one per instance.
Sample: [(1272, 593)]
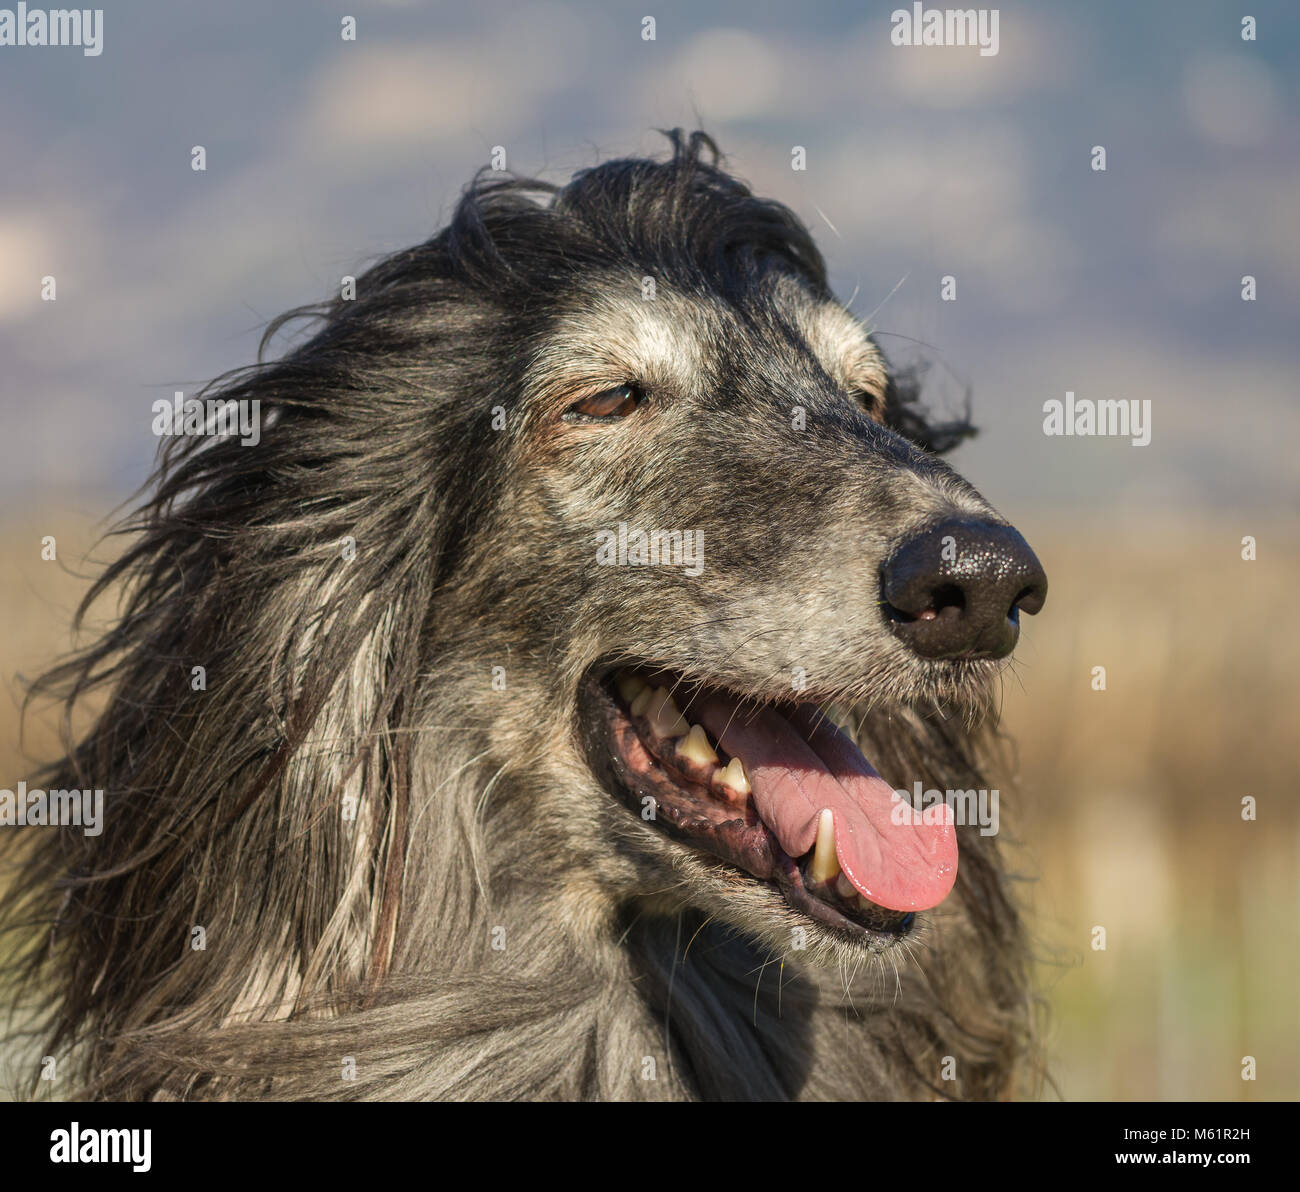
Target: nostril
[(929, 606), (1030, 598), (948, 596)]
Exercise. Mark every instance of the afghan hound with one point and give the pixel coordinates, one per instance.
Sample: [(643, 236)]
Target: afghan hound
[(576, 687)]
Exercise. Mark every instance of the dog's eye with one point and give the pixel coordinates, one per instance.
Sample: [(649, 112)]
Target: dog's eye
[(614, 403), (873, 403)]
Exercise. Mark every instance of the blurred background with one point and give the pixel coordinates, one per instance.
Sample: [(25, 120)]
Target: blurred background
[(323, 154)]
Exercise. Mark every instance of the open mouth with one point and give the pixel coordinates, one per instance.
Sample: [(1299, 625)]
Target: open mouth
[(777, 792)]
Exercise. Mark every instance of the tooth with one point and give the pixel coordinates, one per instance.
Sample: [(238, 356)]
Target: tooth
[(733, 776), (642, 701), (844, 888), (629, 686), (695, 747), (825, 865), (665, 719)]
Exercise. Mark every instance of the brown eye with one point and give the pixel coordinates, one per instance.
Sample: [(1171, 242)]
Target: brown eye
[(614, 403)]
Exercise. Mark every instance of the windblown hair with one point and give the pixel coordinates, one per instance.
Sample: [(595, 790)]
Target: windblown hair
[(311, 854)]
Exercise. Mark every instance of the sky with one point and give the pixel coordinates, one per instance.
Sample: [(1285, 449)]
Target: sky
[(921, 162)]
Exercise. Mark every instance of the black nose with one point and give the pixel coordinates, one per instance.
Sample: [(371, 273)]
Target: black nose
[(957, 590)]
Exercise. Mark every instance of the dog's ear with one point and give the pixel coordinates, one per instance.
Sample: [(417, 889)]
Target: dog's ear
[(253, 698), (907, 413)]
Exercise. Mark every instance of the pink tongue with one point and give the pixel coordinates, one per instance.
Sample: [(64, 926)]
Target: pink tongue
[(799, 765)]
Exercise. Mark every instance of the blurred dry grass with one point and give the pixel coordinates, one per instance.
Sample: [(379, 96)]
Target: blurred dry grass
[(36, 610), (1129, 803), (1131, 807)]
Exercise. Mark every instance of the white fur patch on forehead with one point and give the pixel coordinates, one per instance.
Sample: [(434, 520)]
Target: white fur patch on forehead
[(837, 338), (619, 336)]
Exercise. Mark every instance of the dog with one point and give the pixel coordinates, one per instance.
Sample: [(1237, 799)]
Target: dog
[(528, 712)]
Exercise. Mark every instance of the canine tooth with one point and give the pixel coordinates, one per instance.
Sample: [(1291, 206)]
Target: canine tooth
[(825, 864), (665, 719), (642, 701), (695, 747), (734, 776), (629, 686), (844, 888)]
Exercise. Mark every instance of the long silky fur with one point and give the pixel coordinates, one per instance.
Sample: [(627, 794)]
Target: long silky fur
[(332, 681)]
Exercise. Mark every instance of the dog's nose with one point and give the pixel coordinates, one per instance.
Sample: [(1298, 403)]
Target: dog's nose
[(957, 590)]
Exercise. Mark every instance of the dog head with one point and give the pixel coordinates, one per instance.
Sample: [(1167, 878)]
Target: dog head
[(729, 530)]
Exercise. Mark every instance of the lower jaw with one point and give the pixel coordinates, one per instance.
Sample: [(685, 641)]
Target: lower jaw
[(720, 825)]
